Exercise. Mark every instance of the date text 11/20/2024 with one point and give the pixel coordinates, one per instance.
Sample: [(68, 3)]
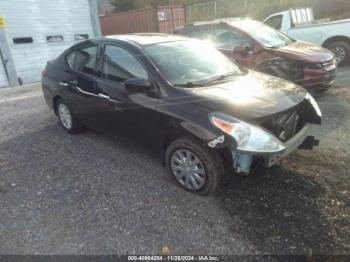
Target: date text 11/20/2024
[(173, 258)]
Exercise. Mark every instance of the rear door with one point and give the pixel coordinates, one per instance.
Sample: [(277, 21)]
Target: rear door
[(80, 83)]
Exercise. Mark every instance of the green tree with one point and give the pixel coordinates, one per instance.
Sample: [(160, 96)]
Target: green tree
[(122, 5)]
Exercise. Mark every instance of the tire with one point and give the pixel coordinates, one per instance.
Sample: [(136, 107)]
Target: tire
[(209, 161), (340, 48), (72, 126)]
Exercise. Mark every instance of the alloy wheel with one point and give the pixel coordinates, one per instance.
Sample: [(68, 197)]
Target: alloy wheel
[(340, 54), (188, 169)]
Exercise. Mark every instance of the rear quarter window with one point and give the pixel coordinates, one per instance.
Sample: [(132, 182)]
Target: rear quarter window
[(70, 59)]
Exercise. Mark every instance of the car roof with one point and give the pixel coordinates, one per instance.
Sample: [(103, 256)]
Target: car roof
[(147, 38)]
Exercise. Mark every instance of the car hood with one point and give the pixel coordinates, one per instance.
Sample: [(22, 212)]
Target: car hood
[(304, 52), (250, 96)]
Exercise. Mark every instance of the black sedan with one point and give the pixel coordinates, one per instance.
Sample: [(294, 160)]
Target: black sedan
[(206, 114)]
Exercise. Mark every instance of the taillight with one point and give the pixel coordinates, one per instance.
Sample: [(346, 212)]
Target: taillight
[(44, 72)]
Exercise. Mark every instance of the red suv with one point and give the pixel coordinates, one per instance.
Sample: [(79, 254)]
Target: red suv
[(262, 48)]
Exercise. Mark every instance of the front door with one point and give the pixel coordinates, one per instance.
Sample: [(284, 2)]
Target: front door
[(129, 112)]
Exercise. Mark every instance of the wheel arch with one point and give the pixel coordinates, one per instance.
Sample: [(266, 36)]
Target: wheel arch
[(335, 39), (54, 103), (186, 129), (177, 132)]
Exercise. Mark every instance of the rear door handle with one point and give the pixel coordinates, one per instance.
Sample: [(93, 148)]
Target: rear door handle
[(73, 84), (64, 84), (104, 96)]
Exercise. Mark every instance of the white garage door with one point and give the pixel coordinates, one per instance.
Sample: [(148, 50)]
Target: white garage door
[(39, 30), (3, 77)]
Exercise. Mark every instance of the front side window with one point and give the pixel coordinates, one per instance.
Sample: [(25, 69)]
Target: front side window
[(184, 62), (119, 65), (85, 59)]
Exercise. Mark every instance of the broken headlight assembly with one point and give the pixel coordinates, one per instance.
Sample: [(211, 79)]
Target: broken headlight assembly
[(249, 138)]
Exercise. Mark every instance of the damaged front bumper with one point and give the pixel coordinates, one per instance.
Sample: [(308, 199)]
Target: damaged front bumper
[(242, 161)]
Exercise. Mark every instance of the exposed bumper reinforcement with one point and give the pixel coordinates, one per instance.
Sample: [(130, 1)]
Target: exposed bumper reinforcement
[(291, 145)]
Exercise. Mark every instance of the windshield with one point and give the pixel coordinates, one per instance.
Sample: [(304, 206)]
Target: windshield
[(189, 62), (265, 35)]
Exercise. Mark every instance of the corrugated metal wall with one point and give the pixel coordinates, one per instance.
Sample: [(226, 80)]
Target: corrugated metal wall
[(175, 16), (39, 19), (142, 20), (163, 19)]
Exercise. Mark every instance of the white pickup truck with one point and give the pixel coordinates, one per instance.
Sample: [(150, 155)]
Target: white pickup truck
[(299, 24)]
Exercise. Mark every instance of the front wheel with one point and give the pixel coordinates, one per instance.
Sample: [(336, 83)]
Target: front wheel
[(194, 167), (341, 50), (67, 119)]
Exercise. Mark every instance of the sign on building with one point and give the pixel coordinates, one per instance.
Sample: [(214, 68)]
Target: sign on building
[(2, 22)]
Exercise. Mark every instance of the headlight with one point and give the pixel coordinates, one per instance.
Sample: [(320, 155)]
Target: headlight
[(249, 138), (314, 104)]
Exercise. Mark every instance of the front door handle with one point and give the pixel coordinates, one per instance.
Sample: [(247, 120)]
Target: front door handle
[(108, 98)]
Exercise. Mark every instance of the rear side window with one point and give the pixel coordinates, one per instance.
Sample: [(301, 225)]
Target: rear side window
[(204, 34), (275, 22), (221, 38), (227, 39), (83, 60), (119, 65)]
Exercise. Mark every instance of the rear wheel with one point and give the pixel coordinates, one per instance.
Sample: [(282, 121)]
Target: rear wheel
[(193, 166), (341, 50), (67, 119)]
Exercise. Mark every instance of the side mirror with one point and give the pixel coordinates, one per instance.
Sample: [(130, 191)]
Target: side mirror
[(138, 85)]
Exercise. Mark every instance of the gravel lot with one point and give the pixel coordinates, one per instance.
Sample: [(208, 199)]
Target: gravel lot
[(93, 194)]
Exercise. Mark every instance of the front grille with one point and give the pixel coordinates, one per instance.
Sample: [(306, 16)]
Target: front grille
[(328, 63), (329, 77)]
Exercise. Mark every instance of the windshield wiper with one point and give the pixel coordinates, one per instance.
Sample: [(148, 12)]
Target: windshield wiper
[(218, 78), (189, 84), (206, 81)]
